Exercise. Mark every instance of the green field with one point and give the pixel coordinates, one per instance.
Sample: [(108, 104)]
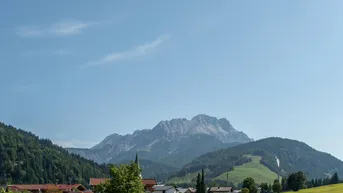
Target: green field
[(338, 188), (254, 169)]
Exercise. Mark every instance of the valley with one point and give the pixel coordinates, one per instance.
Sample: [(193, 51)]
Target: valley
[(173, 152)]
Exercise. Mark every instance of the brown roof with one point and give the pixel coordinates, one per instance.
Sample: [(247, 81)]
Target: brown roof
[(97, 181), (46, 186), (149, 182), (220, 189)]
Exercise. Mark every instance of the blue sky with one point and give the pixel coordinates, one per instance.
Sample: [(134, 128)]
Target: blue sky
[(78, 71)]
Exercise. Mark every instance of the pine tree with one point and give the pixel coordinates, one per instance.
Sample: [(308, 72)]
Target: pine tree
[(284, 184), (198, 184), (334, 179), (269, 187), (137, 163), (202, 183)]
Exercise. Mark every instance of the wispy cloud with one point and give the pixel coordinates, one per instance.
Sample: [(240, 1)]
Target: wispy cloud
[(136, 51), (62, 28)]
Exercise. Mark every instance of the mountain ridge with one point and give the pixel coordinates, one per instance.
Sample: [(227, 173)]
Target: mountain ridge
[(164, 141)]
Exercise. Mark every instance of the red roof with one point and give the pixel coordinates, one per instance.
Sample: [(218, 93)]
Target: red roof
[(46, 186), (149, 182)]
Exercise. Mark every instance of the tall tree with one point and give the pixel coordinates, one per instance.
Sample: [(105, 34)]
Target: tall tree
[(334, 179), (124, 179), (198, 184), (277, 186), (284, 184), (202, 183), (137, 163), (270, 188), (249, 183)]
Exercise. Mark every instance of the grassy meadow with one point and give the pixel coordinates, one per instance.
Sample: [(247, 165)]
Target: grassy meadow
[(337, 188)]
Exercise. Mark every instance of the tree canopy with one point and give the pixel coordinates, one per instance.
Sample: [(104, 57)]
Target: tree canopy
[(277, 186), (124, 179), (249, 183)]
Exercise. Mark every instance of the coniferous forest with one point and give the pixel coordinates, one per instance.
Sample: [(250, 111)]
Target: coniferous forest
[(25, 158)]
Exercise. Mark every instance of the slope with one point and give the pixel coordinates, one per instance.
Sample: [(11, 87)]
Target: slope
[(252, 169), (27, 159), (236, 175), (337, 188), (293, 155)]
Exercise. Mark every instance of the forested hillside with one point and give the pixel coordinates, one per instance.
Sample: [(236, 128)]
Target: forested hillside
[(24, 158), (293, 156)]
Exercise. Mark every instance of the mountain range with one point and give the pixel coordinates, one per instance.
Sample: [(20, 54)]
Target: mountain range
[(174, 143), (173, 151)]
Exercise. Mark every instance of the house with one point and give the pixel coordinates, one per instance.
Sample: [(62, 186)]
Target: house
[(148, 183), (43, 188), (164, 189), (93, 182), (220, 190)]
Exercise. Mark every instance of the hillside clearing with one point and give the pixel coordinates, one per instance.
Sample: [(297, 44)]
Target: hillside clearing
[(254, 169)]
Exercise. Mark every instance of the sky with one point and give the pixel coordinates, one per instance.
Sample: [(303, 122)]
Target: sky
[(77, 71)]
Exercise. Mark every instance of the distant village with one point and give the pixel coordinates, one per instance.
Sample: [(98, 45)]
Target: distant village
[(150, 186)]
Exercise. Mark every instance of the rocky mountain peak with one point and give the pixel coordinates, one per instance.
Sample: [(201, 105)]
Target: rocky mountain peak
[(176, 137), (202, 118)]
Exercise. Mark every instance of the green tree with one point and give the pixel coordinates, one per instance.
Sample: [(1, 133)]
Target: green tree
[(124, 179), (270, 188), (245, 190), (198, 184), (264, 187), (202, 182), (296, 181), (284, 184), (334, 179), (250, 184), (277, 186)]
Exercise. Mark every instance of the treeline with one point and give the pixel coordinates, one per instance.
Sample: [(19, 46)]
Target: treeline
[(297, 181), (323, 182), (25, 158), (294, 182)]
